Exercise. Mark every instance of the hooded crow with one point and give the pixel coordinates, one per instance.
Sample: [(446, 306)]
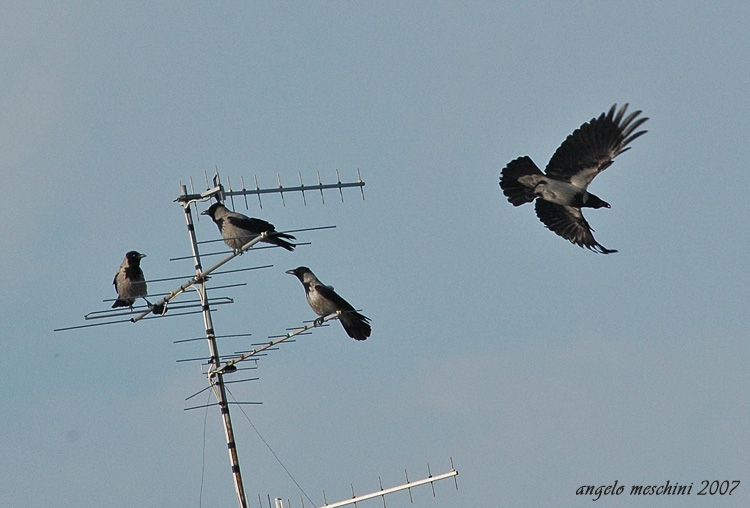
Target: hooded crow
[(324, 301), (560, 191), (237, 229), (129, 281)]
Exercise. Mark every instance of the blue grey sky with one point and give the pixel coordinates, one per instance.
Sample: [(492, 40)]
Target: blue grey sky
[(536, 365)]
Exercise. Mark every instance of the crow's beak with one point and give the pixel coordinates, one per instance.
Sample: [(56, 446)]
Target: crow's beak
[(290, 272), (141, 256)]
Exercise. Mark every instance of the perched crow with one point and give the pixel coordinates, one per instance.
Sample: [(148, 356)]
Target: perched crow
[(560, 191), (129, 281), (237, 229), (324, 301)]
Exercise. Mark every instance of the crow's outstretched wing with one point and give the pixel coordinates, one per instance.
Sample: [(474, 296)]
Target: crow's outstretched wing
[(592, 147), (568, 222)]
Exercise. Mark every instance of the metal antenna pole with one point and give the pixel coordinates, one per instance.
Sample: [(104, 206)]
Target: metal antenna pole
[(217, 381)]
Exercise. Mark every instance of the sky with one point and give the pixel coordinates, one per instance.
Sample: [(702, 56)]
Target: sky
[(535, 366)]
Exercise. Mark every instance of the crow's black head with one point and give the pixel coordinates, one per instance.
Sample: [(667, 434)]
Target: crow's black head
[(299, 272), (211, 212), (134, 258), (593, 201)]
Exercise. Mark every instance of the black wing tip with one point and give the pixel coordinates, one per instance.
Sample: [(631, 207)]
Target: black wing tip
[(622, 127), (589, 244), (572, 227), (617, 115), (628, 123), (600, 249), (278, 239), (286, 245)]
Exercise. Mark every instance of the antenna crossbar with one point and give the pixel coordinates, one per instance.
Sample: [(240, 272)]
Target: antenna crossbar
[(229, 366), (220, 193), (298, 188), (200, 277)]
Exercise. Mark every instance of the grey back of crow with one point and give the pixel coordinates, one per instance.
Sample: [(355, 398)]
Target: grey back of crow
[(237, 229)]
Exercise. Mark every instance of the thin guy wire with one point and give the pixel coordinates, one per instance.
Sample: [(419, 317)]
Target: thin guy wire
[(271, 450), (203, 460)]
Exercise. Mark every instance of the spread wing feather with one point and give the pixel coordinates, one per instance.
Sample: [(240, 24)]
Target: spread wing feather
[(592, 147), (569, 223)]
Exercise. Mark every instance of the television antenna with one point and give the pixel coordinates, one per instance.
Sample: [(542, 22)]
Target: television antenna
[(217, 366)]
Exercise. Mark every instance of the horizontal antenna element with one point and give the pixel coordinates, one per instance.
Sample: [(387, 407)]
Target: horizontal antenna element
[(383, 492)]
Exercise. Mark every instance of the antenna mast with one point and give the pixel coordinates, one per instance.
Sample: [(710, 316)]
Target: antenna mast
[(217, 378), (216, 370)]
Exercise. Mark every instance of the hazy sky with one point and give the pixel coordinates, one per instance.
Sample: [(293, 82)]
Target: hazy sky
[(536, 365)]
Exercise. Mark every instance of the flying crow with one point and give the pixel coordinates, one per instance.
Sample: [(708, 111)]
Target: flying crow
[(560, 191), (129, 281), (238, 229), (324, 301)]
